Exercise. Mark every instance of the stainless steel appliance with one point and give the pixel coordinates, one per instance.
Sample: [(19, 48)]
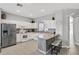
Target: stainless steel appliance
[(0, 38), (7, 34)]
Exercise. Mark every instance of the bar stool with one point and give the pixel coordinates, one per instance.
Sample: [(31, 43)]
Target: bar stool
[(56, 46)]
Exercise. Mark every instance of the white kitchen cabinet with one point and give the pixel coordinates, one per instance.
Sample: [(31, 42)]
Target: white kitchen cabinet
[(30, 36), (20, 38)]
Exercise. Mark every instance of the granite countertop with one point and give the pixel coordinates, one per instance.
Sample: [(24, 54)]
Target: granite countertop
[(46, 36)]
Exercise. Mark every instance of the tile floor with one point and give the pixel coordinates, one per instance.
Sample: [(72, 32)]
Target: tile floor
[(25, 48), (30, 48)]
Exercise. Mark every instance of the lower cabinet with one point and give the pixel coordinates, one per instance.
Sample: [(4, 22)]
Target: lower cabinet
[(26, 37)]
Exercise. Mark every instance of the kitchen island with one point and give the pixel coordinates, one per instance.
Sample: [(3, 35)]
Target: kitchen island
[(44, 42)]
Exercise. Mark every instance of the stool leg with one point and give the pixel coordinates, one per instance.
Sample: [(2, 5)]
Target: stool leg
[(52, 49)]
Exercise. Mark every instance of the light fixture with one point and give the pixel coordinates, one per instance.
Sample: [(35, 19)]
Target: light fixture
[(53, 18), (42, 10)]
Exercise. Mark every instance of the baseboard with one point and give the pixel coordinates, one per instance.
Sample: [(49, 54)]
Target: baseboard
[(77, 44), (41, 51), (23, 41), (35, 39), (44, 51)]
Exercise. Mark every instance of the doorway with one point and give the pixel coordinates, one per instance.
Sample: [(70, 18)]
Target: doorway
[(71, 32)]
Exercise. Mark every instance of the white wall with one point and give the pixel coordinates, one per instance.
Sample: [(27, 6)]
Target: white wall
[(0, 15), (59, 22), (61, 25), (19, 21), (19, 24), (0, 29), (48, 22), (66, 29), (76, 30)]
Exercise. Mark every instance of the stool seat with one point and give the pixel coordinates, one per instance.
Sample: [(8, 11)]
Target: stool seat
[(56, 42), (56, 46)]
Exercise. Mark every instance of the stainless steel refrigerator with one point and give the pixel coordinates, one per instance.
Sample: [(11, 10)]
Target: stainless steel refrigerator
[(0, 37), (7, 35)]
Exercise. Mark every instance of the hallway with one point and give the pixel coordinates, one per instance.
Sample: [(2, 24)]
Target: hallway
[(73, 50)]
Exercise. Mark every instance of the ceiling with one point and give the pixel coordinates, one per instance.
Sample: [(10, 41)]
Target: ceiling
[(34, 10)]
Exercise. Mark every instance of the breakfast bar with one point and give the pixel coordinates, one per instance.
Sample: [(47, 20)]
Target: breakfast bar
[(44, 42)]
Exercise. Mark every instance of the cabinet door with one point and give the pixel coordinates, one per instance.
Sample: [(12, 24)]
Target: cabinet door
[(12, 34), (48, 44), (4, 34), (0, 37), (41, 26)]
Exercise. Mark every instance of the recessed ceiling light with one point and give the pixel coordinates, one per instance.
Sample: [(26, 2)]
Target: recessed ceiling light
[(18, 10), (42, 10)]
